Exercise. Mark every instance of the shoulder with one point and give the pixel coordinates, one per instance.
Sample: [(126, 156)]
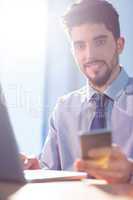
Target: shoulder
[(69, 104), (74, 97), (125, 100), (70, 101)]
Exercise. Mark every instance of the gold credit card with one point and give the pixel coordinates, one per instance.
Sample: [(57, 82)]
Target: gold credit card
[(94, 139)]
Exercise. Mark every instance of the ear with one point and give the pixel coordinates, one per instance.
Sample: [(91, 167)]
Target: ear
[(120, 44)]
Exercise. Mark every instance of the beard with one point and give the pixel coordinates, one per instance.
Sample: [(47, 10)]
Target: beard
[(101, 78)]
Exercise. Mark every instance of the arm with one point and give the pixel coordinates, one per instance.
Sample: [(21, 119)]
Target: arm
[(49, 157)]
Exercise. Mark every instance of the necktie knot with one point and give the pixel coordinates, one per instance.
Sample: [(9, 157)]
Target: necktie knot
[(99, 118), (99, 100)]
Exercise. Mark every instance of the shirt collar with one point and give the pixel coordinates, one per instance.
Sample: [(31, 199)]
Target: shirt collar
[(114, 89)]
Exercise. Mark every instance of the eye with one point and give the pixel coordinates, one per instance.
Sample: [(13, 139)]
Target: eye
[(100, 42), (79, 46)]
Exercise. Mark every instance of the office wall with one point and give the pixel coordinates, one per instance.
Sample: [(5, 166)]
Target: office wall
[(125, 9)]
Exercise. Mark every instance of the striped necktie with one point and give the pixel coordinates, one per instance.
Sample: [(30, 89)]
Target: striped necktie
[(99, 120)]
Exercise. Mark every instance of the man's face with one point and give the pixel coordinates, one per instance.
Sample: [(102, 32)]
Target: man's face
[(96, 51)]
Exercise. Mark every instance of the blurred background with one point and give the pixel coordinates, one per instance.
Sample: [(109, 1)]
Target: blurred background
[(36, 65)]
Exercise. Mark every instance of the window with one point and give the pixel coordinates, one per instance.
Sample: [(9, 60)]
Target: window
[(22, 38)]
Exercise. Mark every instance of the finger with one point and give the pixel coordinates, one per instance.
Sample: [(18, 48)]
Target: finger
[(34, 163), (22, 157), (117, 154), (83, 165), (28, 164), (24, 160), (110, 176), (79, 165), (113, 153), (92, 170), (87, 165), (99, 152)]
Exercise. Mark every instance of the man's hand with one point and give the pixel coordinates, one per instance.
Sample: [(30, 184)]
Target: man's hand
[(117, 169), (29, 162)]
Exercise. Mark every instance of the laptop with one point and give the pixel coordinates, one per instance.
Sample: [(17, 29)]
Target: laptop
[(10, 165)]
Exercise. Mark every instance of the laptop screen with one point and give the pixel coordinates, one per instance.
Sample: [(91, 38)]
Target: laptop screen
[(10, 165)]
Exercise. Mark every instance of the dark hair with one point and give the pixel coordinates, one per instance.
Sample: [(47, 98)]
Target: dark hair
[(93, 11)]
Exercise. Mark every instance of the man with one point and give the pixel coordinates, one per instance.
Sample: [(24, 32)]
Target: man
[(93, 27)]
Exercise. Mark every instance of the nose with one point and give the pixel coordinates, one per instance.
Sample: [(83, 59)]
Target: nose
[(89, 53)]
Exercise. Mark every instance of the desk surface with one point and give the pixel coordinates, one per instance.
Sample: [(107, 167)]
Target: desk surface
[(66, 190)]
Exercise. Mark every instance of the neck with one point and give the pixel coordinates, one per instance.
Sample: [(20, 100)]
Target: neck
[(110, 80)]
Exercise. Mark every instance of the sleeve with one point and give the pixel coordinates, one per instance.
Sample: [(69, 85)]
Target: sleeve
[(49, 158)]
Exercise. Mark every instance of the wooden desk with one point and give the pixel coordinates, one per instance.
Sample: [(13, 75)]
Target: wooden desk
[(69, 190)]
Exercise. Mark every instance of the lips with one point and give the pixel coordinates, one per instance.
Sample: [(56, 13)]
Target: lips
[(95, 64)]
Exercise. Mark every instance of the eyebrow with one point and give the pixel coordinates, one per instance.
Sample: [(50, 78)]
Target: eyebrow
[(100, 37), (95, 38), (78, 42)]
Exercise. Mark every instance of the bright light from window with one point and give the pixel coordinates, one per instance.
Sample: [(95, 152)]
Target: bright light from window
[(22, 33), (23, 26)]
